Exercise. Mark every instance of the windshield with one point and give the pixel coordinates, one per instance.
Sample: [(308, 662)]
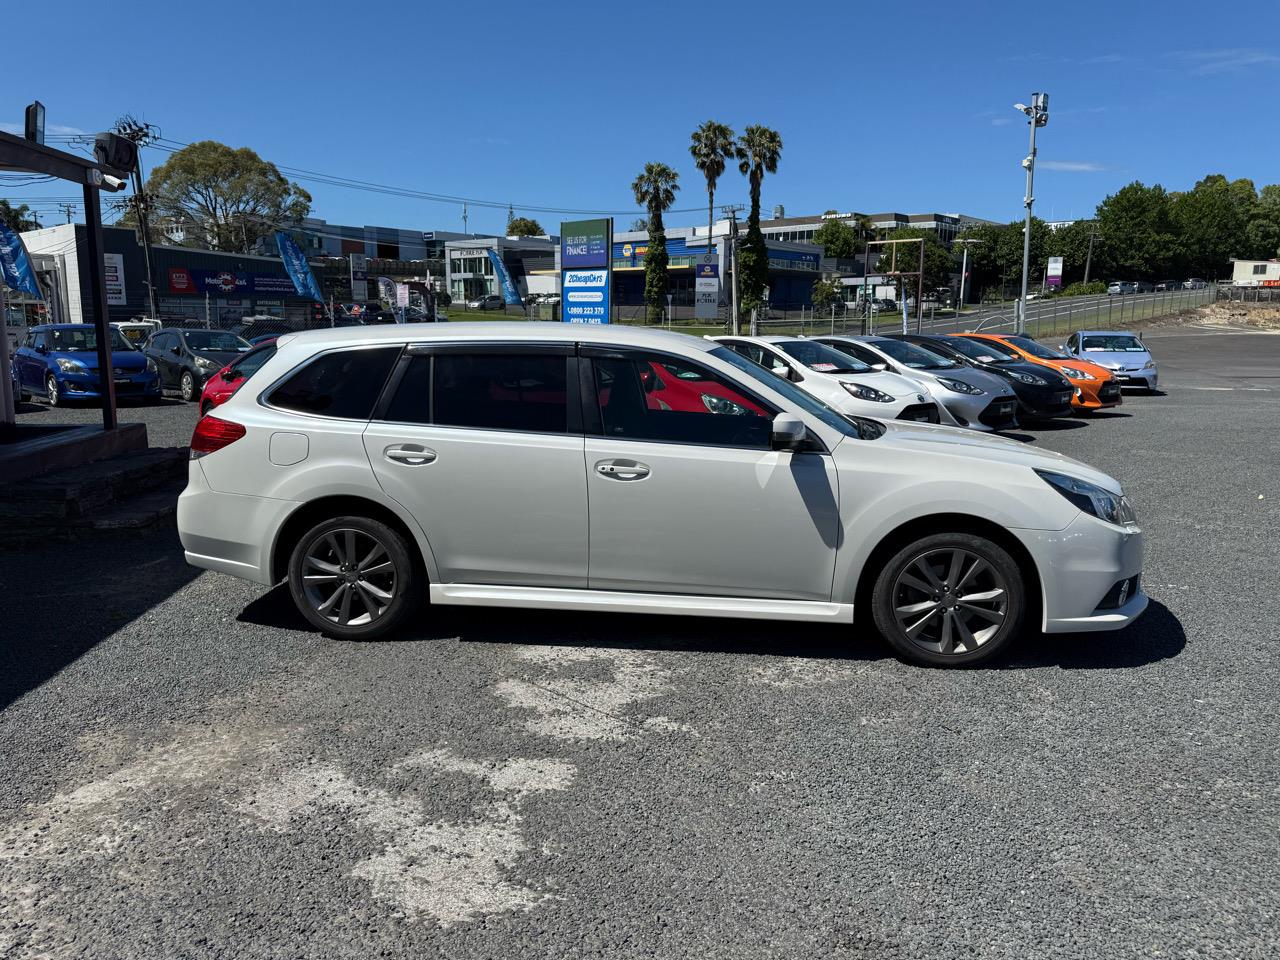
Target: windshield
[(1037, 349), (810, 404), (820, 357), (984, 351), (909, 355), (1113, 344), (206, 341), (83, 339)]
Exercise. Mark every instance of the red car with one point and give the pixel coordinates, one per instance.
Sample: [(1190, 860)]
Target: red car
[(222, 386)]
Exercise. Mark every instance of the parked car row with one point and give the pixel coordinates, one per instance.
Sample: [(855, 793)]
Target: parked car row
[(553, 466), (1121, 287)]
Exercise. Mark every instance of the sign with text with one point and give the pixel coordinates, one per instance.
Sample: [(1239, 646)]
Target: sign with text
[(359, 276), (113, 274), (585, 296), (1053, 276), (706, 287), (222, 283), (586, 270)]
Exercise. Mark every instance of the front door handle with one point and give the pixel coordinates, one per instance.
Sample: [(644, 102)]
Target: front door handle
[(410, 454), (622, 469)]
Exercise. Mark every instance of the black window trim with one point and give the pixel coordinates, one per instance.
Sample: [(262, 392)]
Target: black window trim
[(590, 400), (573, 383), (311, 358)]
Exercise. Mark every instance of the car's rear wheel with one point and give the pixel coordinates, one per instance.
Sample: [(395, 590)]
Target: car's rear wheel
[(949, 600), (187, 386), (51, 391), (353, 578)]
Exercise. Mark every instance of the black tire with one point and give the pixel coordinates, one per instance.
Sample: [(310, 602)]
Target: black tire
[(895, 602), (187, 386), (206, 408), (51, 392), (403, 582)]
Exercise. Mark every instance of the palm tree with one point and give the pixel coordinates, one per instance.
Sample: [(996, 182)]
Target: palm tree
[(655, 190), (711, 147), (758, 151)]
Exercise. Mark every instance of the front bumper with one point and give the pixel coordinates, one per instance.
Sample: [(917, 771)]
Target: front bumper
[(1079, 566), (87, 386), (983, 412), (1097, 394)]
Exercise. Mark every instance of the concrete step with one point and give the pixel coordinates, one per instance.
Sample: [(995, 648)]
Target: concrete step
[(80, 491), (148, 511)]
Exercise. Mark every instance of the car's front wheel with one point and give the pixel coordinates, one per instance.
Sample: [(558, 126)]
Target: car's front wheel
[(51, 391), (353, 578), (187, 386), (949, 599)]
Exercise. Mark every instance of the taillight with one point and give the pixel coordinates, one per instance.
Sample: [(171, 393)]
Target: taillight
[(213, 433)]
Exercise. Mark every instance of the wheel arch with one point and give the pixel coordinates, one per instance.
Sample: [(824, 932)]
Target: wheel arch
[(323, 508), (924, 526)]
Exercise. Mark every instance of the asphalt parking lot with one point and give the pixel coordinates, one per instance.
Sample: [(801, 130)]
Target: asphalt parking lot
[(188, 770)]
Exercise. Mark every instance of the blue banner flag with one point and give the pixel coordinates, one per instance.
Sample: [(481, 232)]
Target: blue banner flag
[(15, 265), (295, 264), (510, 295)]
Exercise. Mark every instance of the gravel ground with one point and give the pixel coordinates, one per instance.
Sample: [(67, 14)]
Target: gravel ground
[(189, 771)]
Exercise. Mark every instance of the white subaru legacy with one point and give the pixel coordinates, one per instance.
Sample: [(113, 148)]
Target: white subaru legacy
[(637, 471)]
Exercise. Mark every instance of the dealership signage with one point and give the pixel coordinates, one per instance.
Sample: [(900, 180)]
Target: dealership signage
[(706, 287), (1053, 276), (113, 275), (586, 270), (359, 276), (226, 283)]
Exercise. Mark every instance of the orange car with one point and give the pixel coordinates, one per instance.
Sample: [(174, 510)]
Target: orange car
[(1095, 387)]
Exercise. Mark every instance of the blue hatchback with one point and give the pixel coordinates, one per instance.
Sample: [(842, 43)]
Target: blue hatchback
[(59, 361)]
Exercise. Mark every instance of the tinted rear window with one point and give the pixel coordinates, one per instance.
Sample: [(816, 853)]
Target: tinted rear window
[(344, 384)]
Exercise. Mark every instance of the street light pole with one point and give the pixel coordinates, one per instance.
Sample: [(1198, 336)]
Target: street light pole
[(1088, 258), (964, 272), (1038, 116)]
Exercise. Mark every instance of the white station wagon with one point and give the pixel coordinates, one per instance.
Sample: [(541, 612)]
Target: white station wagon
[(629, 470)]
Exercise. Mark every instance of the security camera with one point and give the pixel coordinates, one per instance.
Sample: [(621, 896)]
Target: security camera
[(1026, 163), (106, 182)]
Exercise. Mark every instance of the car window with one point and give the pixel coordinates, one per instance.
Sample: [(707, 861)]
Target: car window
[(913, 356), (982, 349), (345, 383), (1036, 349), (252, 361), (822, 358), (205, 341), (1118, 344), (38, 340), (660, 398), (501, 391), (857, 352), (83, 338)]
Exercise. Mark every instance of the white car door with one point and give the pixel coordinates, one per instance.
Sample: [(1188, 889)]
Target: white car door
[(685, 494), (484, 446)]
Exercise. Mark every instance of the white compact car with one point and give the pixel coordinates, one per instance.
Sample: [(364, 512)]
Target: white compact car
[(841, 381), (636, 471)]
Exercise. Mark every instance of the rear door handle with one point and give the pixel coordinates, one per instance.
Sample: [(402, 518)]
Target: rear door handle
[(622, 469), (410, 454)]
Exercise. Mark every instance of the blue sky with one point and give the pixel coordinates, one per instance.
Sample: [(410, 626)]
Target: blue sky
[(903, 107)]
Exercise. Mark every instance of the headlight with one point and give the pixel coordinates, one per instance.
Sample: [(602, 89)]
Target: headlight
[(959, 386), (206, 364), (151, 366), (1089, 497), (1149, 365), (1030, 378), (71, 366), (1075, 373), (716, 404), (863, 392)]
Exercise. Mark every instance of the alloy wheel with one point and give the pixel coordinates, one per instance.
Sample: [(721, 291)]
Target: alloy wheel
[(348, 577), (51, 391), (188, 387), (950, 601)]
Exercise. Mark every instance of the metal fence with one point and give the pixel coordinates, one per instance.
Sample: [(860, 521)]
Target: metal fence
[(1249, 294)]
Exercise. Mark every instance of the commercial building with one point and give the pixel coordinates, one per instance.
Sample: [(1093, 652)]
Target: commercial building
[(947, 226), (321, 238), (531, 261)]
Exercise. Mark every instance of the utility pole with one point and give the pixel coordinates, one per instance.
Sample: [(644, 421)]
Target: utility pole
[(69, 209), (464, 218), (1088, 258), (732, 212), (1038, 116), (964, 272), (141, 134)]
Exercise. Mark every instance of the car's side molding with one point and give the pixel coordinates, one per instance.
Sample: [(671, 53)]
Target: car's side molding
[(618, 601)]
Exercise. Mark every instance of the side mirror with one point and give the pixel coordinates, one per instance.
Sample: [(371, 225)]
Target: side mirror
[(42, 349), (881, 367), (176, 351), (788, 432)]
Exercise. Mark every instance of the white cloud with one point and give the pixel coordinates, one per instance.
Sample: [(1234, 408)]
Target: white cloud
[(1071, 166), (1000, 121), (1226, 61), (54, 129)]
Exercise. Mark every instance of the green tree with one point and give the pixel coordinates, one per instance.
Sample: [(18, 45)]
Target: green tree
[(837, 239), (759, 149), (826, 294), (16, 218), (1071, 243), (712, 146), (524, 227), (640, 223), (224, 198), (655, 190), (1264, 224), (1213, 219), (1141, 240)]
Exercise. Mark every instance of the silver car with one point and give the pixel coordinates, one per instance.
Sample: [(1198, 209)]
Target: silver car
[(979, 400), (624, 470), (1121, 352)]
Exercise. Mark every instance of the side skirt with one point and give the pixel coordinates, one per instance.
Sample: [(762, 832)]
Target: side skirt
[(613, 601)]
